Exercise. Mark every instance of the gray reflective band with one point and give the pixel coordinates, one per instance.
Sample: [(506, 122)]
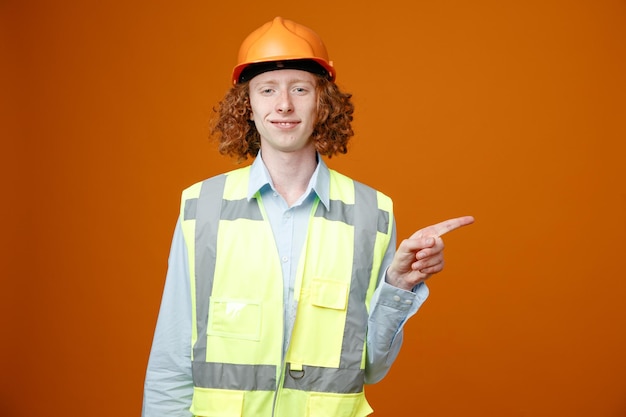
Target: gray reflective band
[(207, 215), (263, 378), (365, 213), (383, 221), (191, 206), (337, 380), (342, 212), (232, 376), (338, 211), (241, 209)]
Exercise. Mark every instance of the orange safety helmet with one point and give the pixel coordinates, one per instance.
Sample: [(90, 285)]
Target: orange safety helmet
[(282, 44)]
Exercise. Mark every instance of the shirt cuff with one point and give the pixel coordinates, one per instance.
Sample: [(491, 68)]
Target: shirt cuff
[(403, 300)]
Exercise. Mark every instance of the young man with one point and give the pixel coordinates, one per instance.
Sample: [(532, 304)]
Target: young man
[(284, 293)]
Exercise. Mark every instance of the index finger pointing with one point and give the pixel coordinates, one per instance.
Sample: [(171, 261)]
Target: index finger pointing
[(452, 224)]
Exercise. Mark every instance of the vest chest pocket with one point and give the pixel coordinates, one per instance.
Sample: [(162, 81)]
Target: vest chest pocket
[(317, 336), (329, 294), (234, 318)]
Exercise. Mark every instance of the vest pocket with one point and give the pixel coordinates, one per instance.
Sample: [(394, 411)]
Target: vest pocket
[(338, 405), (329, 294), (317, 337), (239, 319), (217, 403)]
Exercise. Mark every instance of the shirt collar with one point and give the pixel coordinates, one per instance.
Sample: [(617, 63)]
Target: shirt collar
[(319, 182)]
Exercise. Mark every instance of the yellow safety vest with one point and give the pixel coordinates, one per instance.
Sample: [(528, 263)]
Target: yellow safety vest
[(237, 301)]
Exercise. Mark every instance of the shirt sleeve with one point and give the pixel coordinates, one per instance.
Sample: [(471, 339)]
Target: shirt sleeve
[(390, 308), (168, 386)]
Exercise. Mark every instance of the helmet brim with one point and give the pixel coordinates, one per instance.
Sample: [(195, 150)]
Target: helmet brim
[(247, 71)]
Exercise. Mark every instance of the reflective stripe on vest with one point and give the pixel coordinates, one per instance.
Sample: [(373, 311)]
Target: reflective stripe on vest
[(203, 209)]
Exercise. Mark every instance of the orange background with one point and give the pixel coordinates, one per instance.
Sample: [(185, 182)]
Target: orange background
[(513, 112)]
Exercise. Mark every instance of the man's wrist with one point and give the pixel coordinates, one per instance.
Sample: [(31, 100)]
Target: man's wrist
[(396, 280)]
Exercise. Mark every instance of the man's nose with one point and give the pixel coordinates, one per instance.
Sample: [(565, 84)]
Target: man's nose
[(284, 104)]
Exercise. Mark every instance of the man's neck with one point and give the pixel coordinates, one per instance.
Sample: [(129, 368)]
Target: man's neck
[(290, 172)]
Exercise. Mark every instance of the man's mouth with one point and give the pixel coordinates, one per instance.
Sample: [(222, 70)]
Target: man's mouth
[(285, 125)]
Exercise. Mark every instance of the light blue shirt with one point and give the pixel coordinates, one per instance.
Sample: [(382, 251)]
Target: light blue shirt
[(168, 387)]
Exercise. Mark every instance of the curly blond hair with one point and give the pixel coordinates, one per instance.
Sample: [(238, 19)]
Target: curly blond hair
[(237, 135)]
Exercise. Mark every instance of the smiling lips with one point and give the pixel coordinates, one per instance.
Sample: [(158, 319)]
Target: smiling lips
[(285, 124)]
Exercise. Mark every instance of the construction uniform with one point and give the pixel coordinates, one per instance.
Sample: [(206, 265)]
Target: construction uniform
[(270, 339)]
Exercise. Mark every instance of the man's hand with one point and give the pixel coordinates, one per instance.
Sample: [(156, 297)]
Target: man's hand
[(421, 255)]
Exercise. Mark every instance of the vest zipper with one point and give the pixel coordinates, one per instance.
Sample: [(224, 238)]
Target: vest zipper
[(279, 388)]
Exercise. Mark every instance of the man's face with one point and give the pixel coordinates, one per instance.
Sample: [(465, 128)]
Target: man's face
[(284, 109)]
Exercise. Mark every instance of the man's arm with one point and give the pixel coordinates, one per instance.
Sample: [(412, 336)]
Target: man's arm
[(390, 308), (168, 387)]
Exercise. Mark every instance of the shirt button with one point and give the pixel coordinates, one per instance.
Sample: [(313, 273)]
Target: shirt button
[(285, 259), (408, 302), (396, 298)]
